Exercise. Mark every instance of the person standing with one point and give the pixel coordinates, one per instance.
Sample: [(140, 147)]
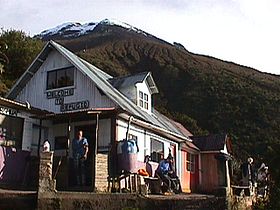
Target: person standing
[(80, 152), (248, 174)]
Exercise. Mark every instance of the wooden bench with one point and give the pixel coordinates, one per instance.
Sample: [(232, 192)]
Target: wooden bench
[(131, 183)]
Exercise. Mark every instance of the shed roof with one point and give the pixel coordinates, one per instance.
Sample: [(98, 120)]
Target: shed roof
[(187, 144), (103, 82), (212, 142)]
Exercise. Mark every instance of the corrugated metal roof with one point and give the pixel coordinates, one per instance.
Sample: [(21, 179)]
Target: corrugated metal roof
[(102, 81), (188, 144)]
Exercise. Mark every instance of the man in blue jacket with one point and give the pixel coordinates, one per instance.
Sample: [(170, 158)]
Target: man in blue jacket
[(80, 152)]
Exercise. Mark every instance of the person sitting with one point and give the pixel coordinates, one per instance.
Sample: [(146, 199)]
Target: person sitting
[(166, 173), (149, 168)]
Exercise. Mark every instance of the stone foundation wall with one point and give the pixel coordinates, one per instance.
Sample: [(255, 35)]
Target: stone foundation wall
[(99, 201), (101, 167)]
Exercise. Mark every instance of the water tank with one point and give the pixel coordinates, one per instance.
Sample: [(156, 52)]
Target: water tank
[(127, 156)]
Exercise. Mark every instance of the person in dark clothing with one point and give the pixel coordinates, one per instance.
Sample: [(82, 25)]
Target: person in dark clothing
[(248, 176), (149, 168)]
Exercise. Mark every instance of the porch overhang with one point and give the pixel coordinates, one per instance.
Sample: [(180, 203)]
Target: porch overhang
[(77, 114), (21, 106)]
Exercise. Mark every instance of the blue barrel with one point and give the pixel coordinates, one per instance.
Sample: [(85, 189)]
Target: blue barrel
[(127, 156)]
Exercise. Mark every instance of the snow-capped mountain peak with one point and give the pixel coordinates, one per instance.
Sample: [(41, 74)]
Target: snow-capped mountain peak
[(75, 29), (118, 23)]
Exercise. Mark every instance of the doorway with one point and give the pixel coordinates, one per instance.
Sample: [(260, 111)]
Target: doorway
[(88, 133)]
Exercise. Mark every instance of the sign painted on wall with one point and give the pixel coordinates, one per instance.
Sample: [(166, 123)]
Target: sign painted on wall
[(74, 106), (60, 93), (59, 96), (59, 101), (8, 111)]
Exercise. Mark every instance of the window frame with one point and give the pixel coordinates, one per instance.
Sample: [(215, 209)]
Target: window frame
[(12, 135), (190, 162), (158, 155), (57, 86), (143, 100)]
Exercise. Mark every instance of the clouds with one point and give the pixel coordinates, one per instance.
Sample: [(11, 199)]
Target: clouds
[(242, 31)]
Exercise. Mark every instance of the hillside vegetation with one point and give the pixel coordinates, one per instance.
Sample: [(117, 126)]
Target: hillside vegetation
[(205, 94)]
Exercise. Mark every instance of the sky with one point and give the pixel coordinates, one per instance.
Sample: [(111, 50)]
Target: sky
[(246, 32)]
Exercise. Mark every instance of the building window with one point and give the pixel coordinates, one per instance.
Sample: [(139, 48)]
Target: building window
[(190, 162), (157, 150), (60, 78), (143, 100), (11, 129)]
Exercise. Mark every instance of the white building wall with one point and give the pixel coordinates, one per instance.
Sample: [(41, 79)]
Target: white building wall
[(84, 88)]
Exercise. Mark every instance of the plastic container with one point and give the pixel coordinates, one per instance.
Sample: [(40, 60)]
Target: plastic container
[(127, 156)]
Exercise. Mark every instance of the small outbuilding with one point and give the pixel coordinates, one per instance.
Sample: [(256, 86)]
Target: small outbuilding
[(215, 154)]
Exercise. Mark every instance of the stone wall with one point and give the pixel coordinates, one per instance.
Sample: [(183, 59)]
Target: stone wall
[(122, 201), (101, 168), (46, 183)]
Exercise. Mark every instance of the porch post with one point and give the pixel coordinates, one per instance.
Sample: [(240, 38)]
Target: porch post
[(113, 149), (95, 153), (227, 176), (68, 136), (40, 136), (199, 171)]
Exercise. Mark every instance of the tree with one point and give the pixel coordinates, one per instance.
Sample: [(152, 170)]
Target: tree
[(17, 52), (3, 58)]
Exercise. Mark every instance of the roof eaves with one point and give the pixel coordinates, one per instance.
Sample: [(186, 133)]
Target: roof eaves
[(151, 84), (179, 138)]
